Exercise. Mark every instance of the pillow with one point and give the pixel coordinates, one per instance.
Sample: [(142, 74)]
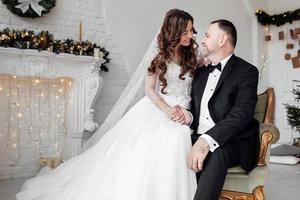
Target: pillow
[(285, 150), (287, 160)]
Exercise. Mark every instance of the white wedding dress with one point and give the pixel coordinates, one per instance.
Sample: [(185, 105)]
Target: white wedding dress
[(142, 157)]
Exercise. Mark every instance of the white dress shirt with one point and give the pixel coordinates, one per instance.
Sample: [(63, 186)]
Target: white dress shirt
[(205, 120)]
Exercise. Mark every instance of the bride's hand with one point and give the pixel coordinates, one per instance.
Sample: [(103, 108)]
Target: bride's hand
[(176, 114), (187, 116)]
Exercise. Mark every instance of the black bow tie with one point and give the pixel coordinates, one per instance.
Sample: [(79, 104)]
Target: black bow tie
[(211, 68)]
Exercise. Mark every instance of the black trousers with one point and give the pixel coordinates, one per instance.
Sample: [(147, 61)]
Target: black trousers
[(211, 178)]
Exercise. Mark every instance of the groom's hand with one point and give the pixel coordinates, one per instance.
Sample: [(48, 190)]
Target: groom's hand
[(197, 155)]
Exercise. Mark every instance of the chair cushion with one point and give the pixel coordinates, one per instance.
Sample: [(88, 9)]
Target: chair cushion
[(236, 170), (243, 182), (261, 106)]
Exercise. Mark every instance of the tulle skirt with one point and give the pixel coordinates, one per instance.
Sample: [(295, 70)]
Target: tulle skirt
[(143, 157)]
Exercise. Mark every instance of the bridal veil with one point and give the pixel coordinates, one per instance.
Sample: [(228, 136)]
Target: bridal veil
[(131, 94)]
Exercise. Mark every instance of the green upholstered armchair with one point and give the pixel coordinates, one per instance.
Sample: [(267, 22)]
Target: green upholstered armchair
[(242, 186)]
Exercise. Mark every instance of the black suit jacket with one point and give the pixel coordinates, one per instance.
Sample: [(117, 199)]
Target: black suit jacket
[(231, 107)]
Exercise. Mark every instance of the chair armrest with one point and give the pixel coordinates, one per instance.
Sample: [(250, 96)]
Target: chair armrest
[(269, 134)]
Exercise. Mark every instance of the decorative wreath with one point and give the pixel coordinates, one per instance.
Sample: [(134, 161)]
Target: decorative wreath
[(29, 8)]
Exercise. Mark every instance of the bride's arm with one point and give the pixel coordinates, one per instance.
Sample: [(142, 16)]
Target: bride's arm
[(150, 89)]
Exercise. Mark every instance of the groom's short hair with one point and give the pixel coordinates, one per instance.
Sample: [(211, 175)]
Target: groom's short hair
[(228, 28)]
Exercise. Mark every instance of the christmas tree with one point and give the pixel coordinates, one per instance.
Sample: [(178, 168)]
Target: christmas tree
[(293, 112)]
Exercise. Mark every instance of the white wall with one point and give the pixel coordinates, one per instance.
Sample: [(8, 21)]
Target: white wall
[(133, 23), (281, 73), (258, 43), (127, 28), (63, 22)]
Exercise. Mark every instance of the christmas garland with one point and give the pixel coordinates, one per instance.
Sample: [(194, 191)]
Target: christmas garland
[(279, 19), (29, 8), (44, 41)]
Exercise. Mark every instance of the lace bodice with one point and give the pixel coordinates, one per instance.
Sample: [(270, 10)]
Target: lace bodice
[(178, 91)]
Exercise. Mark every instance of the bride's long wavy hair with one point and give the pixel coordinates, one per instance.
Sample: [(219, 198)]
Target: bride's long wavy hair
[(171, 31)]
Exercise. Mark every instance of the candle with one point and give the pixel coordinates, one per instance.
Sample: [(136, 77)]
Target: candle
[(101, 54), (80, 31), (96, 53)]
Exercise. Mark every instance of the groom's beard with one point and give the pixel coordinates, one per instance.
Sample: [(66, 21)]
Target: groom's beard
[(206, 52)]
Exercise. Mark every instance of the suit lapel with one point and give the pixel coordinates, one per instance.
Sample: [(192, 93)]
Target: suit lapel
[(228, 67), (200, 84)]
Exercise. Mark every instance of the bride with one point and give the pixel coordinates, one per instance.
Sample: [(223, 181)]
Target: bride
[(143, 156)]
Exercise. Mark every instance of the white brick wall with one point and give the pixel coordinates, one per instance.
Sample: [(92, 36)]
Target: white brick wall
[(63, 22)]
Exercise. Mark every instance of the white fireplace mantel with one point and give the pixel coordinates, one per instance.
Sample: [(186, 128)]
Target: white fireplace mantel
[(87, 83)]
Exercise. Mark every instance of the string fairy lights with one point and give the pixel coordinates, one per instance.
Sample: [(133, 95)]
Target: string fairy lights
[(33, 114)]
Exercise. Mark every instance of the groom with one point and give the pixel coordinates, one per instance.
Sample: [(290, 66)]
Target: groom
[(224, 97)]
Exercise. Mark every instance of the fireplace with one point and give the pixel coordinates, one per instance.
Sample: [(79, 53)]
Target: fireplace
[(46, 108)]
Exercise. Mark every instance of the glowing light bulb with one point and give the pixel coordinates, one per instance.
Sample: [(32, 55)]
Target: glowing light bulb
[(19, 115), (266, 28)]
